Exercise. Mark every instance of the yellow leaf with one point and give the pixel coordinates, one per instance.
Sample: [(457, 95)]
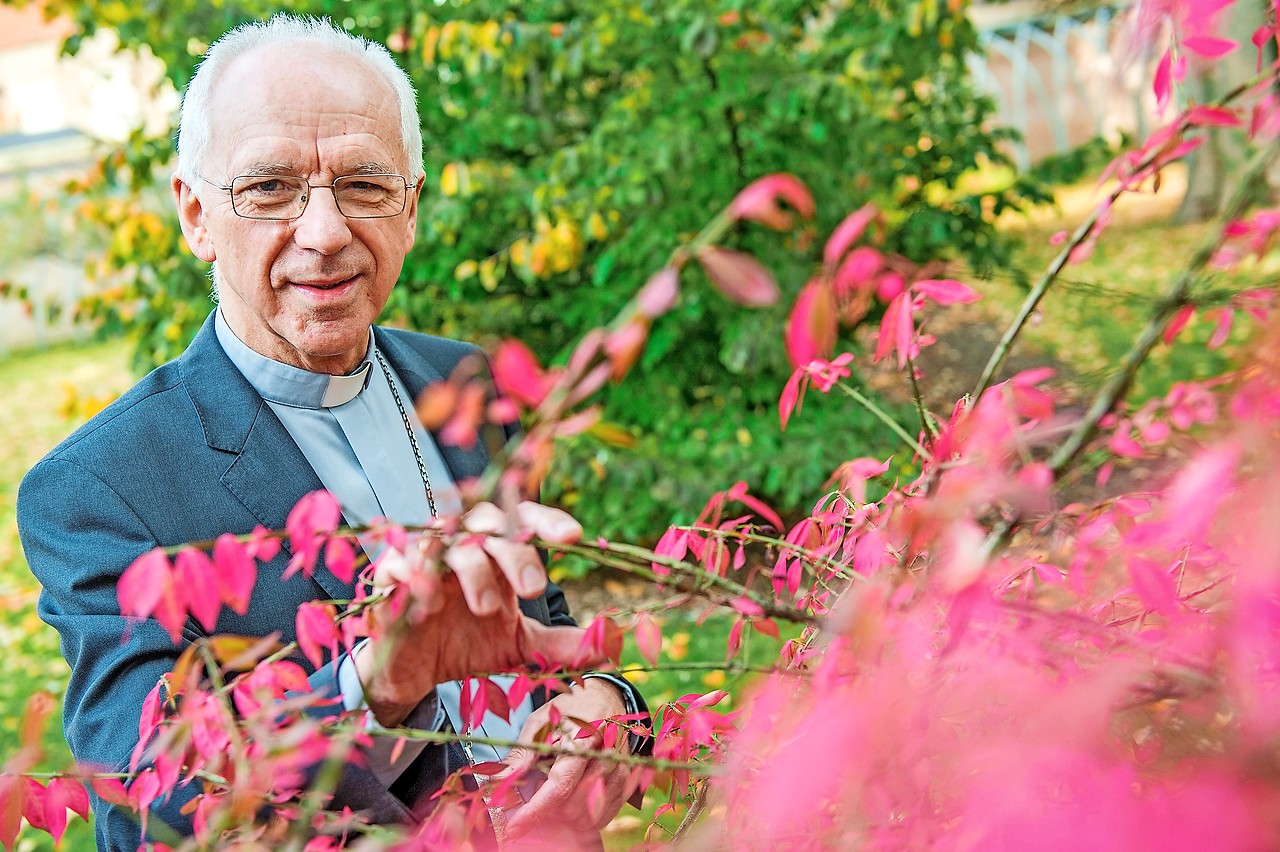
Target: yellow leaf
[(489, 274), (464, 270), (596, 227), (449, 180), (612, 434)]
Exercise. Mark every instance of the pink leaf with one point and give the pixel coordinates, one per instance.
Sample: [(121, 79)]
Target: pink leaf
[(946, 291), (144, 583), (734, 645), (340, 559), (759, 201), (519, 375), (811, 327), (648, 637), (896, 330), (1210, 47), (659, 293), (1177, 323), (262, 544), (1226, 318), (792, 395), (235, 571), (317, 513), (317, 632), (148, 723), (194, 572), (1154, 585), (1163, 85), (1210, 116), (847, 233), (64, 794), (739, 276)]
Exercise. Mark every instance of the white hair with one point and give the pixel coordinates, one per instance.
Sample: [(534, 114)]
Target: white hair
[(195, 126)]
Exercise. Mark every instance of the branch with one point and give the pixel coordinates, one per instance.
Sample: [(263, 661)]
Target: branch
[(1082, 233)]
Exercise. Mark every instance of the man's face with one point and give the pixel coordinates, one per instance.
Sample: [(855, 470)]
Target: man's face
[(302, 291)]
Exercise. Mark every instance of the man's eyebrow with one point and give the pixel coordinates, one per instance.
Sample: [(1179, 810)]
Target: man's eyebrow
[(271, 169), (371, 168)]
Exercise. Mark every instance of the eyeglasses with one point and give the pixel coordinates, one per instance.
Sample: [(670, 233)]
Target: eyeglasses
[(283, 197)]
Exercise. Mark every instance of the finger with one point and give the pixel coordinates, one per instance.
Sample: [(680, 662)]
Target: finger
[(548, 523), (559, 646), (477, 577), (557, 794), (519, 563)]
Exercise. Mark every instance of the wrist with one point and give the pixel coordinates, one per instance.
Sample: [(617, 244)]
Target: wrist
[(390, 702)]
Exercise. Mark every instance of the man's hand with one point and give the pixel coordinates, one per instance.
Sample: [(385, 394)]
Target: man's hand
[(580, 796), (466, 620)]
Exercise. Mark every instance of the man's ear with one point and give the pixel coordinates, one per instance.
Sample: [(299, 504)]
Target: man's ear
[(191, 215), (411, 219)]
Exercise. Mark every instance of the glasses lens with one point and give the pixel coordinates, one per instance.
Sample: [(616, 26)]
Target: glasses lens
[(370, 196), (268, 196)]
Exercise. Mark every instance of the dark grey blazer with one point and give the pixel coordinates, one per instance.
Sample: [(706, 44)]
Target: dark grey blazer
[(190, 452)]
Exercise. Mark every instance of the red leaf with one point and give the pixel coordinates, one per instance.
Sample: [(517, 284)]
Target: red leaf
[(739, 276), (499, 705), (13, 799), (519, 375), (1178, 322), (233, 564), (519, 689), (759, 201), (1226, 317), (624, 346), (811, 326), (648, 637), (194, 573), (768, 627), (33, 806), (846, 233), (1210, 47)]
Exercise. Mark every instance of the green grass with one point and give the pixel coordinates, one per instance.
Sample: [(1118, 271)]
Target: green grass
[(1092, 314), (49, 393)]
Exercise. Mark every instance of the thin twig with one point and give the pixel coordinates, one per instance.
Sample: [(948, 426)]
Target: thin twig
[(1081, 233)]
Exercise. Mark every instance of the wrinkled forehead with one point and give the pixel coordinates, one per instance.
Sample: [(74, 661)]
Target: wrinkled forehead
[(304, 109)]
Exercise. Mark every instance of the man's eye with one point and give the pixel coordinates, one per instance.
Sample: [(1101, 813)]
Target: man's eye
[(267, 186)]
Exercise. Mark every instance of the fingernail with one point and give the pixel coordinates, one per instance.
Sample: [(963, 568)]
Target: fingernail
[(532, 578), (487, 601)]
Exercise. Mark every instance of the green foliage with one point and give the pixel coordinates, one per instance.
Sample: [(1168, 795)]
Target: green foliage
[(571, 147)]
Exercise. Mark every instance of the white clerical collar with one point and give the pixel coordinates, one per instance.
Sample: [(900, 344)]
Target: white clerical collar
[(289, 385)]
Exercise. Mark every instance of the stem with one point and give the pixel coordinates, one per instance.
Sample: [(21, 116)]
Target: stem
[(1174, 298), (1037, 293), (884, 418)]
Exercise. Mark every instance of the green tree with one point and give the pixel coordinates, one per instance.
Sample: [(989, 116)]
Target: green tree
[(570, 145)]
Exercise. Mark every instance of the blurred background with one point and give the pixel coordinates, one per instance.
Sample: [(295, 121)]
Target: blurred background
[(570, 147)]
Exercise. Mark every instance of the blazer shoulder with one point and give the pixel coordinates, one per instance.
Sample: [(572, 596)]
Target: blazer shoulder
[(141, 407)]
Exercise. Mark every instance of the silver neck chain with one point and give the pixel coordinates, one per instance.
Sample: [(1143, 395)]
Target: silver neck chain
[(408, 429)]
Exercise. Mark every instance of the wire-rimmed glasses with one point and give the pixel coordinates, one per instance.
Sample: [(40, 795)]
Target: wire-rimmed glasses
[(283, 197)]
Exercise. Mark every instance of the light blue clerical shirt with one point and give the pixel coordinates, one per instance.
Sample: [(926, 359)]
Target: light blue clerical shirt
[(353, 435)]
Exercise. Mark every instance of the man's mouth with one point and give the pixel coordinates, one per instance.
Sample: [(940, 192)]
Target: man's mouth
[(326, 287)]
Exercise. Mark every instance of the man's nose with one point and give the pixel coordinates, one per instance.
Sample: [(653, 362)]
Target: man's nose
[(322, 226)]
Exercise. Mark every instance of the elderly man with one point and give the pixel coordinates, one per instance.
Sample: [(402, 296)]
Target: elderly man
[(299, 176)]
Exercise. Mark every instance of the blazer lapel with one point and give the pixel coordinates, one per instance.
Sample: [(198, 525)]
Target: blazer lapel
[(417, 372), (269, 474)]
